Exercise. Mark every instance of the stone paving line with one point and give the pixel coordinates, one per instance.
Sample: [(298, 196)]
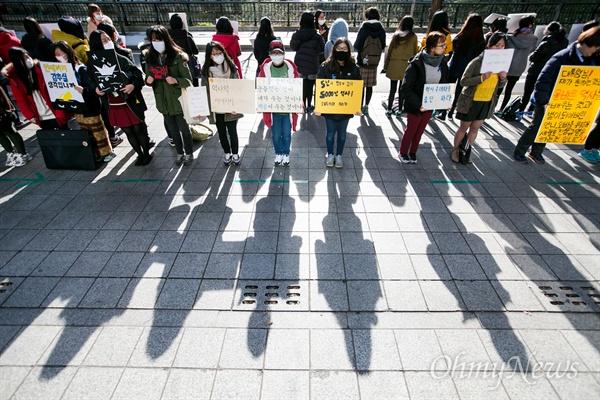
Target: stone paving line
[(432, 280)]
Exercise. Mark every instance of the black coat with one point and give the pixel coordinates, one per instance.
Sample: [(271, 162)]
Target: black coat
[(185, 40), (261, 48), (349, 72), (90, 98), (40, 48), (309, 48), (371, 28), (549, 46), (414, 83)]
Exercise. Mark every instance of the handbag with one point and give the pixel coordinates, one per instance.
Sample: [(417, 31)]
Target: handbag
[(201, 132), (201, 100), (464, 150)]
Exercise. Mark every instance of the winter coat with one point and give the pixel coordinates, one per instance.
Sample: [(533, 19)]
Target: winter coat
[(449, 46), (167, 95), (6, 42), (134, 76), (471, 78), (25, 100), (92, 25), (80, 46), (232, 47), (338, 29), (261, 49), (371, 28), (309, 48), (265, 72), (545, 82), (38, 47), (398, 54), (90, 98), (523, 43), (125, 53), (348, 72), (550, 45), (459, 61), (185, 40), (414, 83)]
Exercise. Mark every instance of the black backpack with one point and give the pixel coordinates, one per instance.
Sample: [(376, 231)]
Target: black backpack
[(510, 111)]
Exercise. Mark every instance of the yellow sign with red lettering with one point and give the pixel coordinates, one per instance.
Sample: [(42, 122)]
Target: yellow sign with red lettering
[(573, 106), (338, 96)]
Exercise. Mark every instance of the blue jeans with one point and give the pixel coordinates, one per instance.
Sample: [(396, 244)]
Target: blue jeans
[(281, 130), (333, 126)]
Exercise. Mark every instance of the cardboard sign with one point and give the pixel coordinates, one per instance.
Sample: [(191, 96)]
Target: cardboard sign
[(338, 96), (60, 80), (106, 70), (573, 106), (496, 60), (278, 95), (438, 96), (48, 28), (197, 101), (492, 17), (232, 95), (158, 71)]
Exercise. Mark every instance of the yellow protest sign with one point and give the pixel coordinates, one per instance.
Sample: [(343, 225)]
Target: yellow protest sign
[(338, 96), (573, 106)]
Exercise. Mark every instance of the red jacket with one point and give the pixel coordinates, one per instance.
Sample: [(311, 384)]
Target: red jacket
[(26, 102), (6, 42), (265, 72), (232, 47)]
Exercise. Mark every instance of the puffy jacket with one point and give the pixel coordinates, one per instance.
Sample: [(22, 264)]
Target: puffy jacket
[(414, 83), (338, 29), (38, 47), (309, 48), (80, 46), (523, 44), (265, 72), (261, 49), (398, 54), (167, 95), (232, 47), (25, 100), (549, 46), (6, 42), (371, 28), (350, 72)]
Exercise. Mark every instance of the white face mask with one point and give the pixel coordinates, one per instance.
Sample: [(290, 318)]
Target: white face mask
[(29, 63), (159, 46), (62, 59), (277, 59), (218, 59), (98, 17), (322, 21), (109, 46)]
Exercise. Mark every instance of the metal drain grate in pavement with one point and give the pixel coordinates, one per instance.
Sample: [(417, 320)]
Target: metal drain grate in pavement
[(272, 295), (580, 296)]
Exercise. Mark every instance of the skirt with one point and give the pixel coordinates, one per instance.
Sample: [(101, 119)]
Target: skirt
[(95, 125), (479, 111), (369, 76), (122, 116)]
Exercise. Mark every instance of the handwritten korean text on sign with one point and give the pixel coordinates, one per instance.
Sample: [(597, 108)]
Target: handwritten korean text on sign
[(338, 96), (278, 95), (438, 96), (231, 95), (60, 80)]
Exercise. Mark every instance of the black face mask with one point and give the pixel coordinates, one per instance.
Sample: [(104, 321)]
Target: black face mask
[(341, 55)]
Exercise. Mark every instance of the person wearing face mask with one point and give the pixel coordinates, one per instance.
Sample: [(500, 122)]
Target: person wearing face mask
[(30, 91), (167, 91), (218, 64), (226, 36), (89, 118), (281, 124), (321, 24), (113, 35), (71, 31), (95, 18), (339, 65)]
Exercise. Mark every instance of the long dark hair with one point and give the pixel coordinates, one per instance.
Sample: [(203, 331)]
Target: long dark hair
[(331, 63), (27, 76), (307, 20), (33, 28), (265, 30), (224, 25), (95, 40), (208, 62), (439, 22), (471, 33), (160, 33), (317, 15), (68, 50), (405, 28)]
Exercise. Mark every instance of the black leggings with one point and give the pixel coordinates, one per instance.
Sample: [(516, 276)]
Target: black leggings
[(393, 88), (527, 91), (457, 91), (138, 139), (227, 127), (368, 93), (511, 81), (9, 137), (308, 86)]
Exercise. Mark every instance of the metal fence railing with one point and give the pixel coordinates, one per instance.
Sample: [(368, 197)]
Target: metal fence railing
[(140, 13)]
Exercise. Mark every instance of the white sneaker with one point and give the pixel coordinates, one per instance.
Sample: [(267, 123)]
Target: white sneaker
[(236, 159), (338, 161), (286, 160), (109, 157), (227, 158), (10, 159), (27, 157), (19, 160), (329, 161), (278, 158)]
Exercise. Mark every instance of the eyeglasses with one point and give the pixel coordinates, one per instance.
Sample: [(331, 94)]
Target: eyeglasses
[(442, 45)]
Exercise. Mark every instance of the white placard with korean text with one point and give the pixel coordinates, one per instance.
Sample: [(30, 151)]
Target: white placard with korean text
[(232, 95), (496, 60), (197, 99), (438, 96), (60, 80), (278, 95)]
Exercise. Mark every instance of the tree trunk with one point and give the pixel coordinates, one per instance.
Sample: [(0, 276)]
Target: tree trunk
[(435, 5)]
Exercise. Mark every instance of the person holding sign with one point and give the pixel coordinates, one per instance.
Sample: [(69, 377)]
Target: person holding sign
[(580, 52), (429, 66), (281, 125), (477, 100), (339, 65), (167, 90)]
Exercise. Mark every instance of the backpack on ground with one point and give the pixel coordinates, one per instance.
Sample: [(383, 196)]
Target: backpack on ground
[(510, 111), (371, 51)]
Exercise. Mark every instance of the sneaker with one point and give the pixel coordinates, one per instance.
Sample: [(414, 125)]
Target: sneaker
[(389, 113), (519, 115), (413, 158), (188, 159), (537, 159), (528, 113), (364, 110), (236, 159), (278, 159), (171, 142), (109, 157), (151, 143), (114, 142), (179, 159), (596, 154), (404, 159), (520, 159), (339, 163), (497, 113), (588, 155), (330, 160), (441, 115), (398, 113), (10, 159), (19, 160), (146, 160), (310, 109), (285, 161), (227, 158), (27, 157)]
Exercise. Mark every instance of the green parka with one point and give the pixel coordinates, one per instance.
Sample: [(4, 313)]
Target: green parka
[(166, 95)]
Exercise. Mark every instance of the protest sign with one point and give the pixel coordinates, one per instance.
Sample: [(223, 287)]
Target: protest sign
[(278, 95), (513, 20), (338, 96), (158, 71), (194, 101), (106, 70), (232, 95), (496, 60), (573, 106), (575, 31), (438, 96), (60, 80)]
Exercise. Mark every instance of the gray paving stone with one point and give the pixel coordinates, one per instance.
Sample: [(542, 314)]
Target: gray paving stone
[(498, 266), (292, 266), (105, 293), (28, 345), (366, 296), (430, 266), (357, 243), (141, 293), (287, 349), (464, 266), (518, 296), (141, 383), (404, 296), (68, 292), (122, 264), (23, 263), (69, 347), (113, 347), (463, 346), (122, 220), (178, 294), (93, 383), (442, 296), (420, 243), (189, 265), (325, 243), (194, 353), (285, 384), (479, 296), (567, 267), (585, 345), (106, 240), (137, 241), (76, 240), (156, 347), (215, 294), (479, 387), (89, 263), (237, 384), (552, 351), (198, 242), (326, 266), (11, 378), (45, 240), (382, 385), (167, 241), (332, 384), (225, 266), (257, 266), (35, 387), (189, 383), (6, 334), (422, 385), (519, 386), (375, 350), (243, 348), (156, 265), (533, 267), (56, 263), (394, 266), (328, 296), (331, 349), (31, 293), (293, 242)]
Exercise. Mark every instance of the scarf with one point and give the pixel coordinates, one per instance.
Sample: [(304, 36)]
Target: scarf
[(434, 61), (220, 71)]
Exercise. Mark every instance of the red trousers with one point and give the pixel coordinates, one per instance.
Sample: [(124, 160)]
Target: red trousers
[(415, 127)]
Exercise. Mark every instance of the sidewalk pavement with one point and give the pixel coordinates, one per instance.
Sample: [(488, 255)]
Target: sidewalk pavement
[(378, 280)]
